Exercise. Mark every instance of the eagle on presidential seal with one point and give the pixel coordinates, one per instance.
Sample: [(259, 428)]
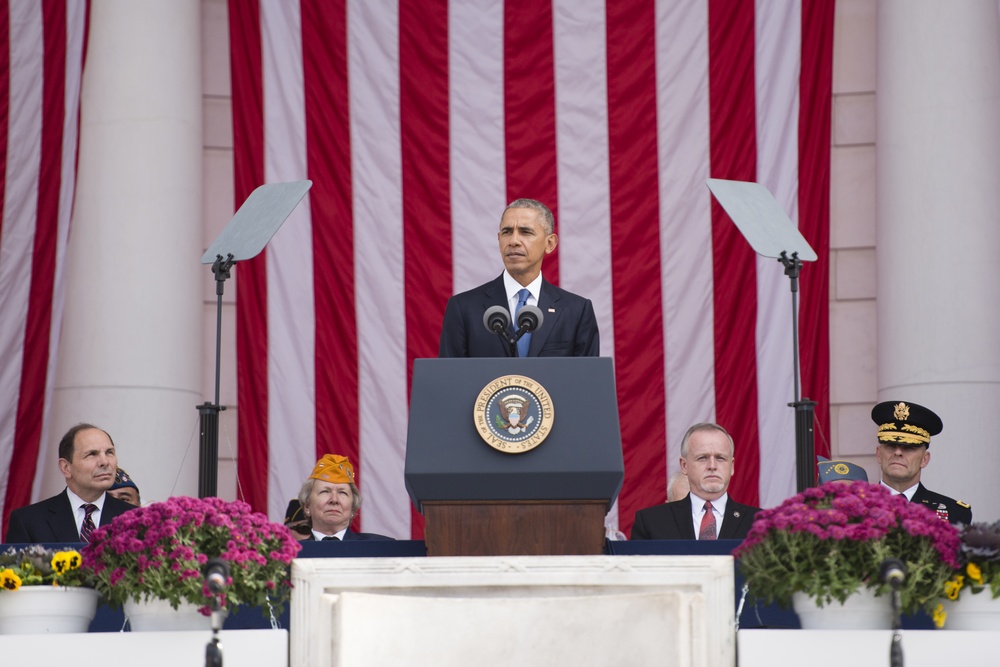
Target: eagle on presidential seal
[(512, 415)]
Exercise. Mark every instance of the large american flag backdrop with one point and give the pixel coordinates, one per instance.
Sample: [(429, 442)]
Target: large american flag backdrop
[(418, 120), (41, 63)]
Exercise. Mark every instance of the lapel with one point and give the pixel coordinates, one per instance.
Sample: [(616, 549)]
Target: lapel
[(683, 517), (548, 303), (730, 521), (61, 518), (494, 294)]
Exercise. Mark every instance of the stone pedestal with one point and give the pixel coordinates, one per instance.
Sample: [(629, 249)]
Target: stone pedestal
[(528, 611)]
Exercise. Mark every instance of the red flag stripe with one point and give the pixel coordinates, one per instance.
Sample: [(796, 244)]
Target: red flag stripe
[(251, 287), (424, 104), (814, 207), (734, 157), (637, 302), (529, 109)]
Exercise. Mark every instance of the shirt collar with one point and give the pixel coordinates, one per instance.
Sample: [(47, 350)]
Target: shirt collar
[(512, 287), (318, 536), (908, 492), (76, 501), (719, 504)]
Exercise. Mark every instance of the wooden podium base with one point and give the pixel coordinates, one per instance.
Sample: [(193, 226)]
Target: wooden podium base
[(515, 528)]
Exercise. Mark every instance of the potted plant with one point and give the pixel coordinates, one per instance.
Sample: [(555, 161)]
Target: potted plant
[(826, 545), (157, 553), (972, 594), (44, 590)]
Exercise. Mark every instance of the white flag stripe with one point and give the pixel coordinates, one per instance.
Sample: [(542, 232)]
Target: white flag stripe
[(17, 235), (373, 77), (290, 316), (476, 129), (582, 156), (778, 37), (579, 34), (76, 19), (685, 219)]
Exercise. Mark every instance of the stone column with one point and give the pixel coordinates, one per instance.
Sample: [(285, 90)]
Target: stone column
[(938, 237), (130, 349)]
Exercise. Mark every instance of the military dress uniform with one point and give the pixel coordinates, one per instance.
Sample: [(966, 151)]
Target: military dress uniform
[(912, 425)]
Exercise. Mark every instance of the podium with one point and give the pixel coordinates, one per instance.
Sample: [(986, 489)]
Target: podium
[(543, 489)]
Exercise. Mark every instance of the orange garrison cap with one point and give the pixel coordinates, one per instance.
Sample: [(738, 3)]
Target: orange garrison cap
[(335, 469)]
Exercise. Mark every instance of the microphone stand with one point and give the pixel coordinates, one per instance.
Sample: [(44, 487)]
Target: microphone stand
[(216, 575), (213, 650), (896, 646)]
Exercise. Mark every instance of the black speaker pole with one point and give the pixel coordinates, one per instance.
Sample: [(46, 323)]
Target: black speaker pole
[(805, 445)]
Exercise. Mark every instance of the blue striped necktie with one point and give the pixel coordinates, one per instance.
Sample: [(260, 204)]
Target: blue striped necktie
[(525, 341)]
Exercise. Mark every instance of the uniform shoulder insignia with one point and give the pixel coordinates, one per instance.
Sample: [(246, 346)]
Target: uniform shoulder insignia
[(962, 503)]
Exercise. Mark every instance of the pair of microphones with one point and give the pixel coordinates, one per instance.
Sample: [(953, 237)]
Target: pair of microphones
[(497, 320)]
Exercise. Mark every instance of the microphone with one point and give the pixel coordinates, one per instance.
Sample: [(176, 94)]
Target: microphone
[(529, 318), (216, 574), (893, 572), (495, 319)]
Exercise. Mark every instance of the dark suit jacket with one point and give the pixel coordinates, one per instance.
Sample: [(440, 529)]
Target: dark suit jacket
[(351, 535), (672, 521), (52, 520), (947, 508), (569, 326)]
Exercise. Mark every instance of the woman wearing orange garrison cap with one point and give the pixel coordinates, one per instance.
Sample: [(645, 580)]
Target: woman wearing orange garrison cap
[(330, 499)]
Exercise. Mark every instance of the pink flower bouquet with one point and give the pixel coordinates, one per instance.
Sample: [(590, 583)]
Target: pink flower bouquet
[(157, 552), (830, 541)]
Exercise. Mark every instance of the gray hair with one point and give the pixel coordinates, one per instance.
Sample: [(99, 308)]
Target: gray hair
[(673, 481), (307, 490), (706, 426), (548, 221)]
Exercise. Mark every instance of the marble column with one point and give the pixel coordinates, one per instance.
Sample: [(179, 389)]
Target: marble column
[(938, 232), (131, 342)]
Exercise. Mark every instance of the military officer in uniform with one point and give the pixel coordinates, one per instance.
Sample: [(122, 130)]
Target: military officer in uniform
[(904, 440)]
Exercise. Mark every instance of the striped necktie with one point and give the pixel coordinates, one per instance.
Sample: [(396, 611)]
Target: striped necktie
[(88, 522)]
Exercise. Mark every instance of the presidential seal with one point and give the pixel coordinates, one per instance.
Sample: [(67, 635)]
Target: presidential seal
[(513, 414)]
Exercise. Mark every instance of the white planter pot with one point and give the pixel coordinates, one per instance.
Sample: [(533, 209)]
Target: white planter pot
[(159, 616), (861, 611), (33, 610), (973, 611)]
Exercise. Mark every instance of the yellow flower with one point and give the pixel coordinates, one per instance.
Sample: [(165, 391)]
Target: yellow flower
[(9, 580), (64, 561), (953, 586), (939, 616), (974, 573)]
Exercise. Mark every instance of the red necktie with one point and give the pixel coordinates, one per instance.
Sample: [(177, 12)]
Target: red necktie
[(707, 531), (88, 522)]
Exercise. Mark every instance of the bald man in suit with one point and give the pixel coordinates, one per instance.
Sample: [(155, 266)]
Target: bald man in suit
[(707, 453), (88, 461)]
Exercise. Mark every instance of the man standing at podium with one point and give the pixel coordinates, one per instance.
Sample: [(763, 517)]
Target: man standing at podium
[(569, 326), (707, 512)]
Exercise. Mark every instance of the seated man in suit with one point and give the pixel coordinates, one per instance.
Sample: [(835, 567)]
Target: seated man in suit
[(330, 498), (88, 462), (569, 326), (707, 512)]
